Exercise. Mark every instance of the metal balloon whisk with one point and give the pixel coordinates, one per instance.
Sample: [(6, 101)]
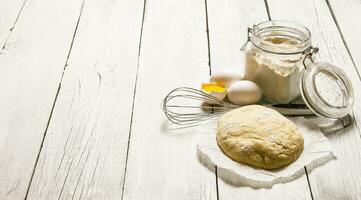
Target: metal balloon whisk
[(187, 106)]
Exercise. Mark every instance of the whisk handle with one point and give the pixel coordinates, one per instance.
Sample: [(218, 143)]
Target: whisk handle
[(292, 109)]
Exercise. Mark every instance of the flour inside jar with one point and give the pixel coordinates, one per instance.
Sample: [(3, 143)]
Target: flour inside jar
[(276, 74)]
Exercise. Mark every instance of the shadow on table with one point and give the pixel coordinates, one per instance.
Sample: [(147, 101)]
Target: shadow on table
[(330, 126), (170, 128)]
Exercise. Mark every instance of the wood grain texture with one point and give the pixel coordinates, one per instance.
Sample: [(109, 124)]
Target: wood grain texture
[(31, 69), (337, 179), (9, 11), (84, 152), (348, 16), (162, 162), (228, 22)]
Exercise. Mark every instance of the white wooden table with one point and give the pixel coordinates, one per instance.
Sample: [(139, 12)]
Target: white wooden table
[(81, 84)]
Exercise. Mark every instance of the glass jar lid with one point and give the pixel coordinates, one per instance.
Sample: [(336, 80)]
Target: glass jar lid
[(326, 90)]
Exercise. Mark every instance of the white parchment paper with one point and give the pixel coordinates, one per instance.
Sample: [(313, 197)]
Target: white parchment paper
[(317, 150)]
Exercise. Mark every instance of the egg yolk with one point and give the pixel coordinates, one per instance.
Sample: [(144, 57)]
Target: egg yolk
[(212, 87)]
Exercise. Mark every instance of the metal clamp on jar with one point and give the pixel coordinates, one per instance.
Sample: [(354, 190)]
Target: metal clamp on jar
[(279, 60)]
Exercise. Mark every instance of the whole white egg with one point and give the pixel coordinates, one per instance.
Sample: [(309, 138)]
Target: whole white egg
[(225, 78), (244, 93)]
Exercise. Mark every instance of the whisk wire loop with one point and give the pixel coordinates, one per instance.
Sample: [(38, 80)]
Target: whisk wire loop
[(187, 106)]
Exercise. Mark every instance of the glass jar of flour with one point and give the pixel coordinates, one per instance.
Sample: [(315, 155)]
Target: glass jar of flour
[(278, 58), (274, 58)]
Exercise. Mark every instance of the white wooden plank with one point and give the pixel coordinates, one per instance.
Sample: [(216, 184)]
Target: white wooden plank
[(348, 16), (85, 148), (9, 10), (228, 22), (337, 179), (162, 162), (291, 190), (31, 69)]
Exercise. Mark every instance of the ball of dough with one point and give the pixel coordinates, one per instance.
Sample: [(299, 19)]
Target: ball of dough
[(259, 136)]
